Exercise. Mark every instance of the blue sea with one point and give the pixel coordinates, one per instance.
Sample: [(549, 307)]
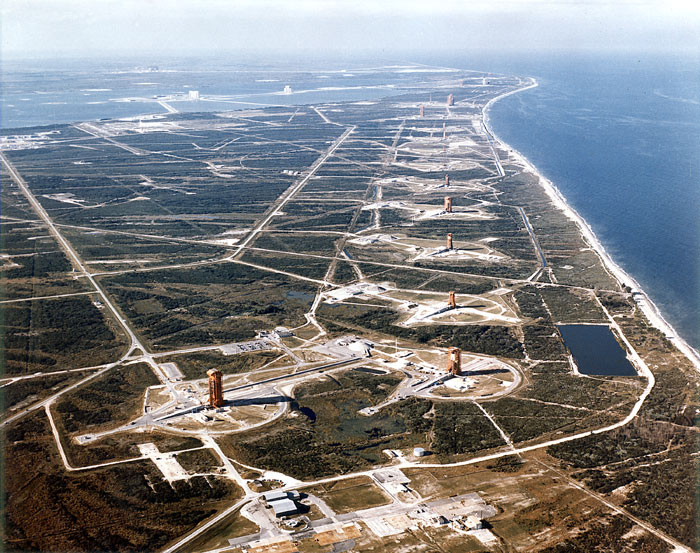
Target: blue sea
[(620, 138), (618, 135)]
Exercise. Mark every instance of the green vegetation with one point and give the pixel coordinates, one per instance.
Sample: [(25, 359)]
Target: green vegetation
[(344, 273), (328, 436), (40, 265), (213, 179), (110, 399), (494, 340), (318, 244), (219, 303), (543, 342), (22, 288), (195, 365), (461, 427), (121, 508), (353, 494), (232, 526), (656, 460), (121, 446), (524, 420), (32, 389), (572, 305), (616, 303), (608, 536), (531, 304), (46, 335), (199, 460), (598, 393), (309, 267)]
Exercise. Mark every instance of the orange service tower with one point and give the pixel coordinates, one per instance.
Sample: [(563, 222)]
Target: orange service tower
[(216, 389), (449, 240), (422, 111), (450, 100), (447, 180), (451, 301), (448, 204), (455, 365)]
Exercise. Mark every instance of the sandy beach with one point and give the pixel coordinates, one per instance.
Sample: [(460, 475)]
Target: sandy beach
[(644, 302)]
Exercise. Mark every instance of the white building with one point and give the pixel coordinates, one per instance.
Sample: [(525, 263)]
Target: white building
[(287, 89), (282, 503), (283, 332), (473, 522), (284, 507), (193, 95)]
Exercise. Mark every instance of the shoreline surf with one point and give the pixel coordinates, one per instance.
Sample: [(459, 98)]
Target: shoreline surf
[(642, 299)]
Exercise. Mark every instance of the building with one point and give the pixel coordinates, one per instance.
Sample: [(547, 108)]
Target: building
[(282, 332), (284, 507), (193, 95), (473, 522), (271, 497), (282, 503), (287, 89), (216, 388), (448, 204)]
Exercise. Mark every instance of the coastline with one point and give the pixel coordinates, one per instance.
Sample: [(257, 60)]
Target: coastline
[(642, 300)]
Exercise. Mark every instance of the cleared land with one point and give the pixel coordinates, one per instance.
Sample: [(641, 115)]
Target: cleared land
[(303, 252)]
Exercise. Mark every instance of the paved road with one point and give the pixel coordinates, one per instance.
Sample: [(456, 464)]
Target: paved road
[(51, 399), (57, 296), (73, 256), (648, 527), (317, 164), (77, 262), (297, 374), (534, 239), (12, 379)]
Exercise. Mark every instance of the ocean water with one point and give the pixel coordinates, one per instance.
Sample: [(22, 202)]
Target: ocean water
[(618, 135), (620, 138)]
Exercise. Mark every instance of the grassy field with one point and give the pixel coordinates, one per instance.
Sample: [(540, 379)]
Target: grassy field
[(353, 494)]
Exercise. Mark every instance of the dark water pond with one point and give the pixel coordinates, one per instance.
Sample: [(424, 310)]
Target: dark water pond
[(595, 350)]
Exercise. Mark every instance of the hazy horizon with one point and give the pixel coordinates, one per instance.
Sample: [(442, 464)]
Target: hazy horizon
[(40, 29)]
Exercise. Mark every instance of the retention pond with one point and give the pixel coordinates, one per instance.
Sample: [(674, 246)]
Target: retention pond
[(596, 351)]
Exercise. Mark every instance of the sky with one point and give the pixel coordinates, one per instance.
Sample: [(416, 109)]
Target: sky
[(98, 28)]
